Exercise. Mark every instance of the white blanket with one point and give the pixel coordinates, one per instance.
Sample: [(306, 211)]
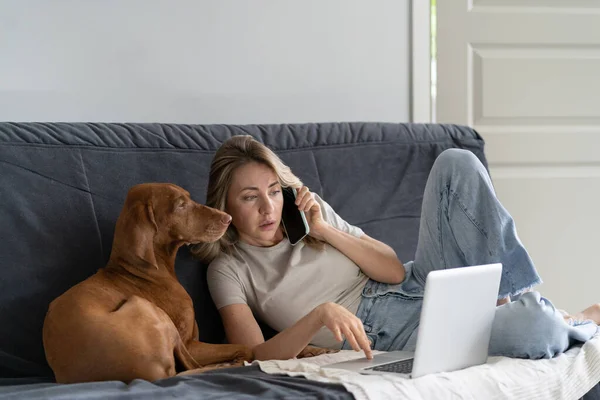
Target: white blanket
[(568, 376)]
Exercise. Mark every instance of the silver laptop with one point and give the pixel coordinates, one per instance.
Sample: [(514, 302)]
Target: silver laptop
[(455, 327)]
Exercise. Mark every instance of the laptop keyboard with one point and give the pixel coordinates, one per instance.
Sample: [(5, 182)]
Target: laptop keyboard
[(399, 367)]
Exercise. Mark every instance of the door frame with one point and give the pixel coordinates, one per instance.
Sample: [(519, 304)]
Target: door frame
[(420, 53)]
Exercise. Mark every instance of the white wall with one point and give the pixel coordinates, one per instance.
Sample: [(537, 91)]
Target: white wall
[(199, 61)]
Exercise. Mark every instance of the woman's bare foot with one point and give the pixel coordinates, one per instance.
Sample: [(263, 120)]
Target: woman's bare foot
[(507, 298), (592, 312), (503, 301)]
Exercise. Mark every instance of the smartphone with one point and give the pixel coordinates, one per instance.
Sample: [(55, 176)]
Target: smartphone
[(294, 220)]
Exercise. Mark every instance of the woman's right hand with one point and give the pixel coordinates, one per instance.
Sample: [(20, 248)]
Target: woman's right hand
[(345, 324)]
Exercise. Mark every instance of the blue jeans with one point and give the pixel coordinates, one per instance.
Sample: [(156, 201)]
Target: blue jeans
[(463, 223)]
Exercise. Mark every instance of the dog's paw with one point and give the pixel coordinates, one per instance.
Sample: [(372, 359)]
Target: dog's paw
[(212, 367), (311, 351), (243, 354)]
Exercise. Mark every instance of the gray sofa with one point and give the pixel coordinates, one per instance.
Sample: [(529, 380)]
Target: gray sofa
[(63, 185)]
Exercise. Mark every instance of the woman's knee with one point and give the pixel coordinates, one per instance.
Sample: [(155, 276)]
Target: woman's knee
[(456, 158), (453, 163), (529, 328)]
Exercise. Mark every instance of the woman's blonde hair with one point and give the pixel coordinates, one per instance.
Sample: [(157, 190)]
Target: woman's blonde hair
[(234, 153)]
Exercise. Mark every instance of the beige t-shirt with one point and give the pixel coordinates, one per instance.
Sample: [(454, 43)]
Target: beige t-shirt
[(283, 283)]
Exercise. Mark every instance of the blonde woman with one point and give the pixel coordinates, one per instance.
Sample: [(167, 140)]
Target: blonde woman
[(340, 288)]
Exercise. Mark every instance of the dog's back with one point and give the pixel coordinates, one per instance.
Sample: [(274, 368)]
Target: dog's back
[(96, 332)]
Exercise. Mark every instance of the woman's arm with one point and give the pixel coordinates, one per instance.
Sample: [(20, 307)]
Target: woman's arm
[(376, 259), (241, 327)]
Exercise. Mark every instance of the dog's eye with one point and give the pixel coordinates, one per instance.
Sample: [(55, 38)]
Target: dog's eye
[(180, 204)]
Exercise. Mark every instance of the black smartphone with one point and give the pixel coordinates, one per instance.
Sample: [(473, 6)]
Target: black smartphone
[(294, 220)]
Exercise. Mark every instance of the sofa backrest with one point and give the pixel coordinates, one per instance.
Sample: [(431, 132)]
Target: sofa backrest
[(63, 186)]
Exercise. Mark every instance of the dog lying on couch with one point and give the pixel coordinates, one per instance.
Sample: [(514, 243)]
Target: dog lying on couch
[(133, 319)]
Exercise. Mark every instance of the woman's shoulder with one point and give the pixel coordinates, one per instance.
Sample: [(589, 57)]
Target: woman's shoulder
[(331, 216), (226, 261), (326, 209), (223, 268), (325, 206)]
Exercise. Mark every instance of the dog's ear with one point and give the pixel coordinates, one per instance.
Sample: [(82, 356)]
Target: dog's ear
[(150, 211), (138, 231)]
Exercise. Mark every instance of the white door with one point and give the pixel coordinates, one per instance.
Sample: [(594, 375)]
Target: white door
[(526, 75)]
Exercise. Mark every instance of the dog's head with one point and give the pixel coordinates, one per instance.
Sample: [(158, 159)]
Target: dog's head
[(164, 215), (175, 217)]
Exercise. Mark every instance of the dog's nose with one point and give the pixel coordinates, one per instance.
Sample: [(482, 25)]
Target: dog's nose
[(226, 219)]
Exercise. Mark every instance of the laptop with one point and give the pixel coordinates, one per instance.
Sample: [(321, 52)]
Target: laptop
[(458, 310)]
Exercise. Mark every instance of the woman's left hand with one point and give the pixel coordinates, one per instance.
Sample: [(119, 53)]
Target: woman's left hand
[(305, 200)]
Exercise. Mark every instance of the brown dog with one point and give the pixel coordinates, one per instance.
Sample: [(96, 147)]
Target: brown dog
[(133, 319)]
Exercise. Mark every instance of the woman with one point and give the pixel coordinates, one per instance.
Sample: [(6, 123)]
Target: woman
[(340, 288)]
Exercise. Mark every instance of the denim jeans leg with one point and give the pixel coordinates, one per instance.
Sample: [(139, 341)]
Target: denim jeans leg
[(463, 224), (390, 315), (531, 327)]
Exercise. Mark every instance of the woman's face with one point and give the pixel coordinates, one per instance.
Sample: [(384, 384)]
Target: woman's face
[(254, 201)]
